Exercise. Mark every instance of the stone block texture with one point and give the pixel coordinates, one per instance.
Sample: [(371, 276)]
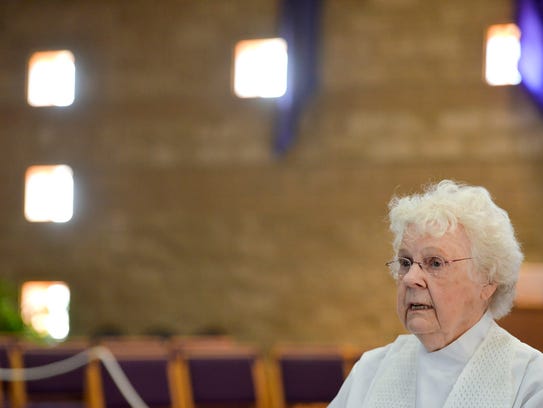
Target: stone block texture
[(186, 220)]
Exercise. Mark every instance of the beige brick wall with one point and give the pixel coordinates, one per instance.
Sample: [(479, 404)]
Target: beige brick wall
[(185, 219)]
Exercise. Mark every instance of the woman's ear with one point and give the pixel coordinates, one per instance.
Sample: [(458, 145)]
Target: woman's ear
[(488, 290)]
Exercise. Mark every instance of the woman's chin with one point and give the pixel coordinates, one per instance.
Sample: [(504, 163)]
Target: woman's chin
[(418, 324)]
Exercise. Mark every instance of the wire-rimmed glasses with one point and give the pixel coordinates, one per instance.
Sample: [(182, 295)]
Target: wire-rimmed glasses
[(433, 265)]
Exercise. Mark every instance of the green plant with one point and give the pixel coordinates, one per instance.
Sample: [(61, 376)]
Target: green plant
[(10, 318)]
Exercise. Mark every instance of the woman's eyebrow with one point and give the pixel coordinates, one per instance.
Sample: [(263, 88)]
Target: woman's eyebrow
[(433, 251)]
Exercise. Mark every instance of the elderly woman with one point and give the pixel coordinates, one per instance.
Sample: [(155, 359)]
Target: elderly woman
[(456, 266)]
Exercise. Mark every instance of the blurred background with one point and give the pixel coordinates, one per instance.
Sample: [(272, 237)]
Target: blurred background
[(196, 210)]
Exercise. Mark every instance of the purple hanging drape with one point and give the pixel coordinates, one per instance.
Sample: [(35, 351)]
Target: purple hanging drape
[(299, 25), (529, 17)]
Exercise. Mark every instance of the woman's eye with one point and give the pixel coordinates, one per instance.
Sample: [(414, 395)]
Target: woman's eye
[(435, 262), (404, 262)]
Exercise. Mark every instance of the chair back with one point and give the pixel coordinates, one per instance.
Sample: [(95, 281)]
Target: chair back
[(305, 374), (62, 390), (148, 377), (146, 362), (222, 376), (6, 343)]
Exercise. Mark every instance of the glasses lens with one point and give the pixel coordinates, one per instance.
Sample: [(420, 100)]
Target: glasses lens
[(404, 264), (433, 264)]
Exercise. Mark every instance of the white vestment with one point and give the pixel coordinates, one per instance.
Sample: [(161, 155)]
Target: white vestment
[(485, 367)]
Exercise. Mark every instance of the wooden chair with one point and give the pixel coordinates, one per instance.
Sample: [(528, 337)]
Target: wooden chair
[(6, 343), (135, 346), (525, 324), (147, 364), (213, 342), (62, 390), (230, 375), (303, 375), (526, 318)]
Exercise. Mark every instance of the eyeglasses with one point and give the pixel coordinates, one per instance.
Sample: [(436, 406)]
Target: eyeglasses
[(434, 265)]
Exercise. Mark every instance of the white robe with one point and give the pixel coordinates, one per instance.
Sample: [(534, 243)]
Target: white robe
[(485, 367)]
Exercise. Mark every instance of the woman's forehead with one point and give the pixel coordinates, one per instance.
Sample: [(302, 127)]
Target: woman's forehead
[(454, 238)]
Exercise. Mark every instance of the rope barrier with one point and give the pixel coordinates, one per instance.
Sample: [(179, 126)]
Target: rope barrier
[(46, 371), (119, 377), (79, 360)]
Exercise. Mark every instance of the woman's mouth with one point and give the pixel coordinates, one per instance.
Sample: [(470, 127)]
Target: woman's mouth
[(419, 306)]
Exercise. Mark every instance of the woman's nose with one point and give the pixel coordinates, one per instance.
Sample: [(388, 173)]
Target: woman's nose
[(415, 276)]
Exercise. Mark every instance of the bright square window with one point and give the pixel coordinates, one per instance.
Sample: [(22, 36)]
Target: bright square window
[(45, 307), (502, 55), (51, 78), (49, 193), (260, 68)]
